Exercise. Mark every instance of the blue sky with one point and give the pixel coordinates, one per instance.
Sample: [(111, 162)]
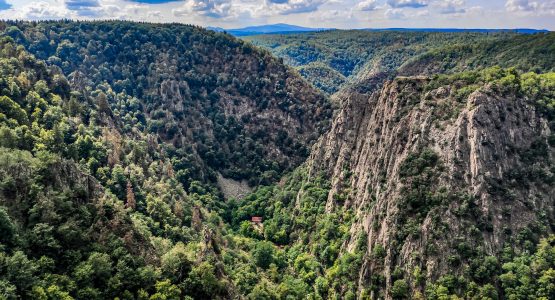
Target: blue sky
[(538, 14)]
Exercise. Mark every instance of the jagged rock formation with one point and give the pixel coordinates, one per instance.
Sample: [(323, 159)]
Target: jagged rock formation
[(436, 179)]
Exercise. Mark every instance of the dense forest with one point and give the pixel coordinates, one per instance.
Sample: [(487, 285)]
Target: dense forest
[(216, 103), (331, 58), (334, 59), (111, 148), (113, 136)]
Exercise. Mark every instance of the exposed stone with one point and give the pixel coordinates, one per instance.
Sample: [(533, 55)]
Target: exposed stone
[(479, 146), (232, 188)]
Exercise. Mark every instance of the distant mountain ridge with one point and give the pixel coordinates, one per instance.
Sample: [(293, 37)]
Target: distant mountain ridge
[(480, 30), (267, 29), (288, 28)]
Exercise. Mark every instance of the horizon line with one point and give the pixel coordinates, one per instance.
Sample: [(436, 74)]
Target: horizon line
[(245, 26)]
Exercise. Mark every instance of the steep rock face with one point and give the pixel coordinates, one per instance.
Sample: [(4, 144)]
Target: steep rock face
[(430, 177)]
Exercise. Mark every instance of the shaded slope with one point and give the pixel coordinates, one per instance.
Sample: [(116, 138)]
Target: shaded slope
[(214, 103)]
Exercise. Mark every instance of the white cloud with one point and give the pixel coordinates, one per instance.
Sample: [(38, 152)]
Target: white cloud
[(452, 7), (325, 17), (286, 7), (155, 14), (245, 9), (41, 10), (181, 11), (539, 7), (211, 8), (520, 5), (137, 9), (314, 13), (394, 13), (206, 8), (113, 11), (368, 5), (85, 8)]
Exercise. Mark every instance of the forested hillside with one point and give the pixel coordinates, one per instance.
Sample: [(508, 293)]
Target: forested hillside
[(331, 58), (214, 103), (87, 210), (524, 52), (111, 136)]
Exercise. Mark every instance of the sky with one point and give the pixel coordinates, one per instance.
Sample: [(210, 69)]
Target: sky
[(538, 14)]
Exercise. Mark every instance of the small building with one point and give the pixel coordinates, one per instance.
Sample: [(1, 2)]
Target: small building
[(256, 220)]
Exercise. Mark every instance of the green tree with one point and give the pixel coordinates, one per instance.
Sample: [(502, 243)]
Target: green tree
[(95, 271), (53, 292), (11, 109), (264, 290), (263, 254), (165, 290), (21, 271), (400, 289), (7, 228), (8, 291), (176, 263), (202, 283)]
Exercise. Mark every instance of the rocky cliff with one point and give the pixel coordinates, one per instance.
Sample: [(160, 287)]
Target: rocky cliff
[(439, 175)]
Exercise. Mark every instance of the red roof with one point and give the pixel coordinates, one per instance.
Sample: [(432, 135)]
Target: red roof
[(256, 219)]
